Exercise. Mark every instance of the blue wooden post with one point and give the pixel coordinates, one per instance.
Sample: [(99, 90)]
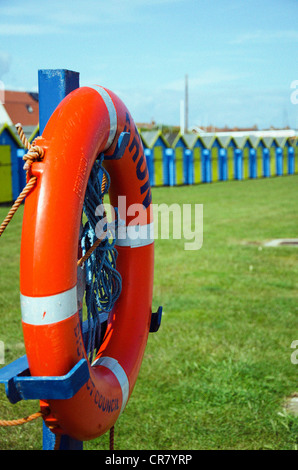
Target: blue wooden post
[(21, 171), (206, 166), (16, 189), (252, 163), (291, 161), (188, 166), (222, 164), (150, 164), (66, 442), (266, 162), (279, 161), (238, 164), (53, 86)]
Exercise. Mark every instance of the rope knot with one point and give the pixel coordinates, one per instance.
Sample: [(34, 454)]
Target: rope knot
[(34, 154)]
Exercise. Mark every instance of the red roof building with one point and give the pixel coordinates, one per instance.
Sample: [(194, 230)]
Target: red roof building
[(19, 107)]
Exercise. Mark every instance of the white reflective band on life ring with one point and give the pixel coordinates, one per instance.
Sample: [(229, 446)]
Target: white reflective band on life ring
[(114, 366), (135, 235), (112, 113), (49, 309)]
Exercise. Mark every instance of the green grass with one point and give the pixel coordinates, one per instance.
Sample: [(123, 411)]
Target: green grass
[(217, 373)]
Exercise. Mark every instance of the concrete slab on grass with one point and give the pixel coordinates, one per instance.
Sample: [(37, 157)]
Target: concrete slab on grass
[(283, 242)]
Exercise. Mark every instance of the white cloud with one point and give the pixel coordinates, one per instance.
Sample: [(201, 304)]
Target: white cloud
[(208, 77), (28, 29), (50, 17), (266, 36)]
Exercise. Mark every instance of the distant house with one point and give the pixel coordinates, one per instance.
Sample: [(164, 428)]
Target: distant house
[(15, 107), (19, 107)]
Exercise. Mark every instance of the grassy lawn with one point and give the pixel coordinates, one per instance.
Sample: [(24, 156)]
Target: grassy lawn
[(217, 373)]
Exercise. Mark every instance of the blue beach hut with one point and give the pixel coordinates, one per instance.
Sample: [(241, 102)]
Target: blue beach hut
[(154, 148), (196, 145), (176, 154), (230, 145), (11, 172), (209, 155), (261, 151), (289, 151)]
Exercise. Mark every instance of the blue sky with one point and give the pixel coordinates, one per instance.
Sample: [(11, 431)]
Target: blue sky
[(240, 56)]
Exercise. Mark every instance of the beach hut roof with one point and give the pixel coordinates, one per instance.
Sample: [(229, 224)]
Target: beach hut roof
[(14, 135), (150, 138)]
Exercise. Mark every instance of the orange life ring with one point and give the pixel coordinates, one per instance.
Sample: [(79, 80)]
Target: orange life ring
[(87, 122)]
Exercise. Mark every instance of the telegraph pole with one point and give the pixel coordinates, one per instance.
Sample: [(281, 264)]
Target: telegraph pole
[(186, 104), (182, 117)]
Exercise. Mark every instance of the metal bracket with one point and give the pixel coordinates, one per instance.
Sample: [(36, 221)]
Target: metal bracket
[(121, 145), (155, 320), (20, 385)]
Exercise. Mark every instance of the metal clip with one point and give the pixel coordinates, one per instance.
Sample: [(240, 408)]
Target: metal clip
[(155, 320), (121, 145)]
